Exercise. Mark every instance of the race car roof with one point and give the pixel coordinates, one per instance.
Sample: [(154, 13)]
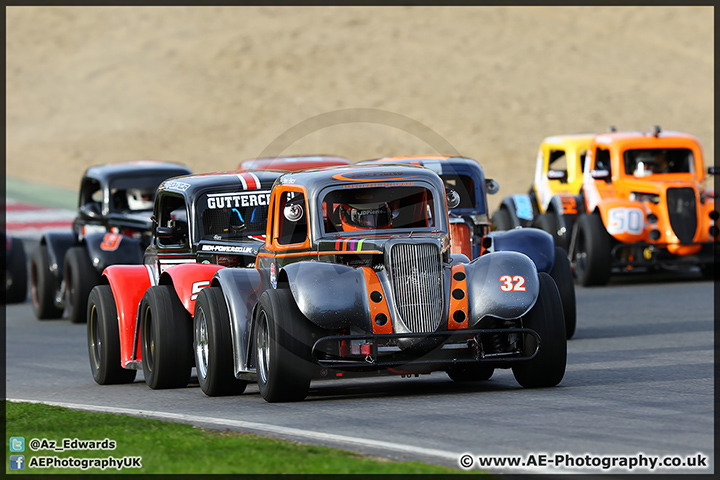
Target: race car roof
[(191, 185), (109, 171)]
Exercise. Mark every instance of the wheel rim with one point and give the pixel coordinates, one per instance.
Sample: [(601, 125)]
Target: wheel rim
[(202, 349), (149, 339), (95, 342), (263, 347)]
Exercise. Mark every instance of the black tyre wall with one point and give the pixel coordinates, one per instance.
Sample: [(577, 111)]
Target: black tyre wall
[(43, 285), (80, 278)]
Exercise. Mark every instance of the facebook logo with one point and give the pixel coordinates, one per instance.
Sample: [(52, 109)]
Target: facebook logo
[(17, 444), (17, 462)]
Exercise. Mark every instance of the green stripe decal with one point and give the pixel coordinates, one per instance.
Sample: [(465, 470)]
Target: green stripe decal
[(359, 247)]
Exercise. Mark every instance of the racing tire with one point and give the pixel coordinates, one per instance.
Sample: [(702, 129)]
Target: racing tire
[(80, 278), (501, 220), (470, 373), (708, 271), (562, 274), (16, 277), (103, 337), (547, 368), (548, 222), (166, 339), (212, 344), (283, 345), (592, 252), (43, 285)]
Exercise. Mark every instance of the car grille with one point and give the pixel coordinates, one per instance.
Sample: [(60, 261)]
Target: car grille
[(682, 211), (415, 270)]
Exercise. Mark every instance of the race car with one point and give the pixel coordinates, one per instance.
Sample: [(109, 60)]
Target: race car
[(467, 189), (112, 226), (642, 206), (15, 270), (140, 316), (356, 277), (293, 163), (558, 169)]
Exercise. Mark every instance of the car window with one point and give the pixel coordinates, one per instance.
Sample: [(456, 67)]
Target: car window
[(557, 166), (464, 186), (292, 221), (653, 161), (233, 215), (172, 214), (134, 193)]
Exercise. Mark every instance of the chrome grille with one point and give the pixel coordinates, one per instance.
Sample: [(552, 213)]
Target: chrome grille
[(682, 211), (415, 270)]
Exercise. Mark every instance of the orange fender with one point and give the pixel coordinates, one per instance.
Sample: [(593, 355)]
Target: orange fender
[(623, 219)]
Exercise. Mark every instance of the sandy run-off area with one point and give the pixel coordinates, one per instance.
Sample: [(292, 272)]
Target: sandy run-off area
[(212, 86)]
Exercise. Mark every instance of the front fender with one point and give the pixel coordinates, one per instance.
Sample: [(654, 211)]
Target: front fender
[(331, 296), (188, 279), (107, 249), (533, 242), (58, 243), (623, 219), (488, 278)]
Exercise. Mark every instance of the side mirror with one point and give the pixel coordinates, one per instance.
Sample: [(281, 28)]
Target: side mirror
[(491, 186), (712, 170), (600, 174), (164, 233), (91, 210)]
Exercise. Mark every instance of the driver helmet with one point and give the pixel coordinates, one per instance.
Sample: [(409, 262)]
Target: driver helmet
[(365, 217), (140, 198)]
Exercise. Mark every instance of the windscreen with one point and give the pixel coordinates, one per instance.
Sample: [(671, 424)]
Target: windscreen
[(378, 209), (232, 215), (653, 161), (134, 193)]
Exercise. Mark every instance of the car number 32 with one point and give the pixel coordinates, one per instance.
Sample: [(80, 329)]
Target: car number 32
[(512, 284)]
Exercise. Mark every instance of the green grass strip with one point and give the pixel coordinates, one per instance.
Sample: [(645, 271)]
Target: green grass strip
[(170, 448), (40, 194)]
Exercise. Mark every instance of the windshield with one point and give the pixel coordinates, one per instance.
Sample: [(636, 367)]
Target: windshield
[(653, 161), (233, 215), (378, 209), (133, 193)]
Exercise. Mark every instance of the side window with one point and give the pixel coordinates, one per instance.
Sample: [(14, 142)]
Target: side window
[(91, 195), (172, 222), (292, 222), (602, 161)]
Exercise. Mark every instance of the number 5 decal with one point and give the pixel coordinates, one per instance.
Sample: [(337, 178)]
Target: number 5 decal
[(197, 286), (512, 284)]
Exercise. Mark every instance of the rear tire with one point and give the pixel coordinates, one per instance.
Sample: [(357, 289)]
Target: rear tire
[(43, 285), (16, 277), (103, 337), (547, 369), (283, 345), (80, 278), (470, 373), (212, 344), (501, 220), (548, 222), (166, 339), (592, 252), (562, 274)]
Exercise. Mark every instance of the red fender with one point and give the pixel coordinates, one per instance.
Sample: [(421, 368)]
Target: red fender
[(188, 279), (128, 284)]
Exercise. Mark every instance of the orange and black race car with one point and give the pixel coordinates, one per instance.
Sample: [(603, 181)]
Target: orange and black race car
[(642, 206), (356, 277)]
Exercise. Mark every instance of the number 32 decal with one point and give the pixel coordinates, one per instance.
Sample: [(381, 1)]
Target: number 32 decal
[(512, 284)]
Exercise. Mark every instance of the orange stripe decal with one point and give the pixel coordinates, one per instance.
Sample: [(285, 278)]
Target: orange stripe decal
[(379, 311), (458, 317)]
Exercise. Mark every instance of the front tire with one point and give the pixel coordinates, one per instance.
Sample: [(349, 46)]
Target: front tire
[(80, 278), (547, 369), (562, 274), (212, 344), (283, 345), (103, 337), (43, 285), (592, 252), (17, 278), (166, 338)]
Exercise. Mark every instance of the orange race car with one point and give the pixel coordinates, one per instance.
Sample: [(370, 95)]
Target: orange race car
[(642, 206)]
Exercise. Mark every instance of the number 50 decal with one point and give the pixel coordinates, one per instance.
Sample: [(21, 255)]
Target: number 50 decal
[(512, 284), (625, 220)]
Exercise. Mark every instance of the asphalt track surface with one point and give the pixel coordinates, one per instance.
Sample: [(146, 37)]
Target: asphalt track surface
[(639, 381)]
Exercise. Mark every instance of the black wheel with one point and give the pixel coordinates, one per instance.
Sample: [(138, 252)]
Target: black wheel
[(103, 337), (548, 221), (501, 220), (212, 344), (592, 251), (283, 344), (470, 373), (546, 318), (708, 271), (80, 278), (16, 277), (43, 285), (562, 274), (166, 339)]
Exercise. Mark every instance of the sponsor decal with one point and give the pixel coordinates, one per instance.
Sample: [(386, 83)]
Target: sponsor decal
[(523, 207), (229, 249), (237, 199), (175, 185), (273, 277)]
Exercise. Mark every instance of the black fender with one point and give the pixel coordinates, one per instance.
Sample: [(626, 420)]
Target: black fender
[(242, 288), (521, 209), (107, 249), (58, 243), (533, 242), (331, 296), (567, 209), (485, 296)]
